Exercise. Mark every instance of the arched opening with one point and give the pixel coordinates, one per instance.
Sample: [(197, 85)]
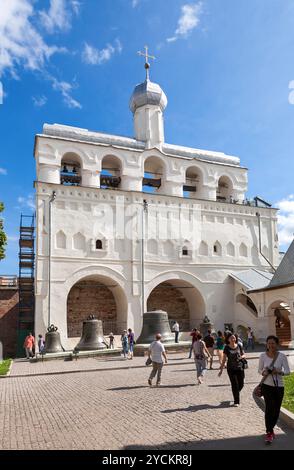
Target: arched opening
[(217, 249), (230, 249), (203, 249), (154, 172), (224, 189), (99, 296), (168, 248), (281, 311), (181, 300), (79, 242), (185, 251), (99, 245), (247, 303), (193, 183), (60, 240), (243, 251), (110, 177), (70, 172)]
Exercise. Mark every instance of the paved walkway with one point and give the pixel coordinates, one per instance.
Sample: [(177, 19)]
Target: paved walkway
[(117, 410), (22, 367)]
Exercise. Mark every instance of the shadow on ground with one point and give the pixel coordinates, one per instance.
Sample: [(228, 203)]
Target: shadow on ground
[(147, 386), (204, 406), (283, 442)]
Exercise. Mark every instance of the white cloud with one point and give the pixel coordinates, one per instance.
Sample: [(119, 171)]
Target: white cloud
[(286, 220), (39, 101), (65, 89), (93, 56), (21, 43), (189, 20), (3, 171), (76, 6), (59, 15), (135, 3), (26, 202)]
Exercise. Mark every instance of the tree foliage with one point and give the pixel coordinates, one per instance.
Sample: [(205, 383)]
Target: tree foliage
[(3, 238)]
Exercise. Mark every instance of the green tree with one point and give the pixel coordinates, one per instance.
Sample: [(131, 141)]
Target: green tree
[(3, 238)]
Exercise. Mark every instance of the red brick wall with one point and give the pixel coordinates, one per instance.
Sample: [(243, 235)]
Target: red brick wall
[(8, 321), (89, 297), (172, 301)]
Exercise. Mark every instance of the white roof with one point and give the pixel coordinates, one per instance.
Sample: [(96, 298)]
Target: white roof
[(84, 135), (253, 278)]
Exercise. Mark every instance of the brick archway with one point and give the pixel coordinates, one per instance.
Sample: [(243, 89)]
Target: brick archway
[(100, 297), (181, 300)]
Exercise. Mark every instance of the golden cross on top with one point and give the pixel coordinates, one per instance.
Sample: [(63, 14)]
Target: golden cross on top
[(147, 56)]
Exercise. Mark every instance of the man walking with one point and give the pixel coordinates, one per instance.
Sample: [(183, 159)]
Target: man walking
[(28, 344), (156, 353), (209, 343), (176, 329), (250, 339)]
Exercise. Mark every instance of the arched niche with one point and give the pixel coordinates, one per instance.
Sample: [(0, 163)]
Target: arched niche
[(111, 172)]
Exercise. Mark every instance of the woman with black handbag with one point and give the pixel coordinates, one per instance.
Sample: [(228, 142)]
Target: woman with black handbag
[(236, 363), (273, 365)]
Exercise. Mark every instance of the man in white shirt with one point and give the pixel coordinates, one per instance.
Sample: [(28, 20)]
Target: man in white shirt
[(156, 353), (176, 329)]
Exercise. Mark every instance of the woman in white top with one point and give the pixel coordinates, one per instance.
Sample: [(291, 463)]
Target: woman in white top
[(273, 386)]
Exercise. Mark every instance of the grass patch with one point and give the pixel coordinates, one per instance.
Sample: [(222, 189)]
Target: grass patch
[(4, 366), (288, 402)]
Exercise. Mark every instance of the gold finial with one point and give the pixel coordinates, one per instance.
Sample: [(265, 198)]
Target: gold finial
[(147, 56)]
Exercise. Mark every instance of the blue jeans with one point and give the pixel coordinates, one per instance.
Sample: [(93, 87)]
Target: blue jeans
[(191, 350), (131, 347), (200, 367), (250, 343)]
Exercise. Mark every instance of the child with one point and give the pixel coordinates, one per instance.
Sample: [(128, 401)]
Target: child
[(111, 341), (41, 344)]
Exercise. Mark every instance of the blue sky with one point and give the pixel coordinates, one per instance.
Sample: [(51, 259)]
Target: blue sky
[(227, 68)]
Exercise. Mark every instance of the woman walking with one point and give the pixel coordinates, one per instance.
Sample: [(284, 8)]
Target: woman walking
[(233, 355), (131, 341), (273, 365), (124, 343), (220, 345), (201, 354)]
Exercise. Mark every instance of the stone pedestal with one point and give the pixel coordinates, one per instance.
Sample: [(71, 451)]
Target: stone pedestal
[(205, 326)]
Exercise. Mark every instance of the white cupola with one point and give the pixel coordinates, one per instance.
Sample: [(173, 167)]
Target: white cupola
[(147, 104)]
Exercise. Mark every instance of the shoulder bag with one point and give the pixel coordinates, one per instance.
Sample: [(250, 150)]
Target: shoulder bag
[(257, 392)]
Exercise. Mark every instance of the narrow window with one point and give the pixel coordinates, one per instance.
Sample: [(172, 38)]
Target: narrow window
[(185, 251), (99, 245)]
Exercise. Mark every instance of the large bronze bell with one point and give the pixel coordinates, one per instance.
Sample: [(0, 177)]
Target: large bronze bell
[(52, 341), (92, 336), (153, 323)]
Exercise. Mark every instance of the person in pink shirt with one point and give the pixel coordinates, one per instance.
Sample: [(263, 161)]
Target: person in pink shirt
[(28, 344)]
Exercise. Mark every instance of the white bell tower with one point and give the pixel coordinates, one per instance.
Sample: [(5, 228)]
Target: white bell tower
[(147, 104)]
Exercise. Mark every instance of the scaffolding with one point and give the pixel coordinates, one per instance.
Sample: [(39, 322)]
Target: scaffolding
[(26, 278)]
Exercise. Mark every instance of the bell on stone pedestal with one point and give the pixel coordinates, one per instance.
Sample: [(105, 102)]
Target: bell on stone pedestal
[(153, 323), (52, 341), (92, 336)]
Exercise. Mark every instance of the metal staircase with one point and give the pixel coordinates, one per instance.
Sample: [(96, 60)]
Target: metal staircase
[(26, 279)]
